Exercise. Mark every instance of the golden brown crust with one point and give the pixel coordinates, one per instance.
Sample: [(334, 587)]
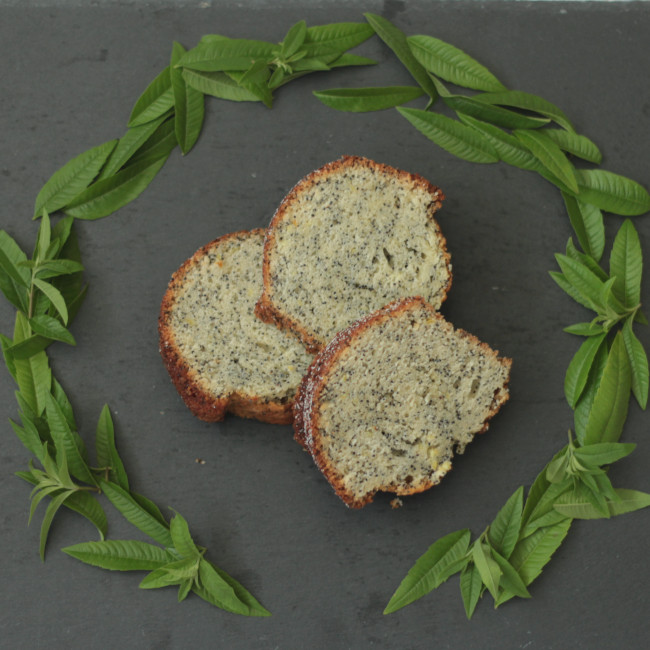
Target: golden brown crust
[(202, 404), (306, 414), (266, 309)]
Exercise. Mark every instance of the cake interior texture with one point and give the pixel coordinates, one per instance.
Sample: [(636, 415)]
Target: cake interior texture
[(352, 240), (227, 349), (400, 399)]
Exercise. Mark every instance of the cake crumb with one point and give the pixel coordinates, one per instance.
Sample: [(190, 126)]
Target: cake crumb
[(200, 461), (396, 503)]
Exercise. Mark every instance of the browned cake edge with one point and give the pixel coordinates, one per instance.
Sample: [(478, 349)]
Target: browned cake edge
[(266, 309), (306, 413), (203, 404)]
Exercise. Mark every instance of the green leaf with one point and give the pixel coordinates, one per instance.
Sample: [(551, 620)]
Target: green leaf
[(87, 506), (135, 514), (557, 469), (127, 145), (396, 40), (156, 100), (587, 284), (488, 569), (108, 195), (360, 100), (456, 138), (588, 261), (346, 60), (43, 490), (527, 102), (33, 375), (510, 150), (159, 578), (471, 587), (533, 552), (44, 237), (54, 296), (585, 329), (52, 509), (441, 560), (626, 265), (29, 436), (225, 593), (603, 453), (55, 268), (184, 589), (260, 90), (66, 443), (587, 221), (294, 39), (188, 105), (542, 515), (638, 364), (277, 78), (61, 232), (107, 455), (120, 555), (578, 145), (51, 328), (258, 73), (226, 55), (172, 573), (550, 155), (612, 193), (181, 537), (72, 178), (71, 286), (335, 36), (6, 343), (28, 348), (609, 408), (310, 65), (577, 373), (14, 279), (583, 407), (150, 507), (492, 114), (510, 578), (603, 484), (579, 507), (160, 144), (589, 489), (504, 530), (452, 64), (62, 400), (537, 491), (218, 84)]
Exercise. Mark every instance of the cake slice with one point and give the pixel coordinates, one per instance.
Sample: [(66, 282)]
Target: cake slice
[(220, 357), (384, 406), (348, 239)]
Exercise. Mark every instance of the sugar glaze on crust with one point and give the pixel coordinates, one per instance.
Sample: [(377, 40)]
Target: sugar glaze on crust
[(307, 429), (267, 308), (202, 403)]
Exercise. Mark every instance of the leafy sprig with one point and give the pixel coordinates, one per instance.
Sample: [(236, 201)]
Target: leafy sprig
[(521, 129), (171, 110), (44, 289)]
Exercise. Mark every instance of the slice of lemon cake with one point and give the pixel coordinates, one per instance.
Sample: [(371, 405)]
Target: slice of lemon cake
[(220, 357), (384, 406), (348, 239)]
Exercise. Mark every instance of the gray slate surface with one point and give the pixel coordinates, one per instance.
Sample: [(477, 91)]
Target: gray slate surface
[(70, 77)]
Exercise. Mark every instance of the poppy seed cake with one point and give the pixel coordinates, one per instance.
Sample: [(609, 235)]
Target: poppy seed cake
[(350, 238), (386, 403), (220, 357)]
